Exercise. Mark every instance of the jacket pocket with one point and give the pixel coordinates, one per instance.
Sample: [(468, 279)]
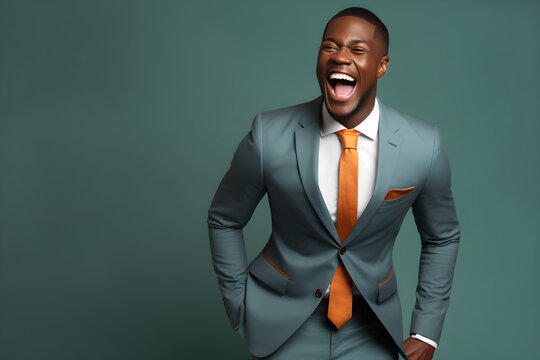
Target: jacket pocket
[(394, 194), (387, 287), (398, 196), (265, 270)]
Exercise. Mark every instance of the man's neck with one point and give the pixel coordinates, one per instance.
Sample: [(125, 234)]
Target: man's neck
[(360, 114), (369, 126)]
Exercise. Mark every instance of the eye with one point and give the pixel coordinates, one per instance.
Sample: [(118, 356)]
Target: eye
[(358, 50), (329, 47)]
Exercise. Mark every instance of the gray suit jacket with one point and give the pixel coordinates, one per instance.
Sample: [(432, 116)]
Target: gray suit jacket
[(269, 298)]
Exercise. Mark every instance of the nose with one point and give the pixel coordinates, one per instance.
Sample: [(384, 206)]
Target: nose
[(341, 56)]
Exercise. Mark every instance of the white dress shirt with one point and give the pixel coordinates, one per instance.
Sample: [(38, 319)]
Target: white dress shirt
[(330, 154), (328, 172)]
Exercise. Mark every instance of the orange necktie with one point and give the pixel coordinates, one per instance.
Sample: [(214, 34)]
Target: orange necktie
[(340, 302)]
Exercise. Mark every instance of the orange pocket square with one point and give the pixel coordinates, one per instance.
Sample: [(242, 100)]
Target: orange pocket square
[(394, 194)]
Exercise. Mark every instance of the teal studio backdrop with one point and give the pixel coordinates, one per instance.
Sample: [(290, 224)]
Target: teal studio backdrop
[(119, 118)]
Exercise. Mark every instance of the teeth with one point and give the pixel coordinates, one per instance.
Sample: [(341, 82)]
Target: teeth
[(341, 76)]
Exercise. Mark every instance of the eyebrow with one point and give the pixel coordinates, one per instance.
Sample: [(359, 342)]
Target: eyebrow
[(352, 42)]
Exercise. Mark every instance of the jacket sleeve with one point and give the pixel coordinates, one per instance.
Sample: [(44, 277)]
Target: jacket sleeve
[(236, 198), (435, 216)]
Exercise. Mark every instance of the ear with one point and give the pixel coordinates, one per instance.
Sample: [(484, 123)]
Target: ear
[(383, 66)]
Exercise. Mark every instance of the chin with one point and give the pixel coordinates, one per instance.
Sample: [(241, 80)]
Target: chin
[(341, 111)]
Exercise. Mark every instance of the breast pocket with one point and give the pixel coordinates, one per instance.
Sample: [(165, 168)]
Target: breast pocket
[(398, 196), (265, 270)]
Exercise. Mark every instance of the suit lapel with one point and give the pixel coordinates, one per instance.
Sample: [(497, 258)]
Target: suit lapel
[(388, 151), (306, 141)]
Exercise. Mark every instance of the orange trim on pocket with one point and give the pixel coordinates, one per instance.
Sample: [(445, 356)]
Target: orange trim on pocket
[(394, 194), (388, 277), (274, 265)]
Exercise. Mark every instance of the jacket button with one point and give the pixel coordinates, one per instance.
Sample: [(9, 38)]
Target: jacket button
[(318, 293), (342, 251)]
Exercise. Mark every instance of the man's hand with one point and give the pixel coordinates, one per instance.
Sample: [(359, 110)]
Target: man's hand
[(418, 350)]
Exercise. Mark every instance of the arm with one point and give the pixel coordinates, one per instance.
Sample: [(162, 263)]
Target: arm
[(236, 198), (435, 216)]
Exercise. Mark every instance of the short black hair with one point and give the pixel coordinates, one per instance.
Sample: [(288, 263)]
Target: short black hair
[(381, 31)]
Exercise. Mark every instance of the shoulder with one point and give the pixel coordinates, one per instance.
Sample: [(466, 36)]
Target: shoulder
[(409, 127)]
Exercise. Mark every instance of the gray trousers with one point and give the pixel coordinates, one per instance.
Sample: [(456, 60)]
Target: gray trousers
[(363, 337)]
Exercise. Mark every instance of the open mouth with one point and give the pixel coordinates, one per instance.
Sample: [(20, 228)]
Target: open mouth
[(341, 85)]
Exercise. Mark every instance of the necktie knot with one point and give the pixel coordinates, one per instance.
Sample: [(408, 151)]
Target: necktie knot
[(348, 138)]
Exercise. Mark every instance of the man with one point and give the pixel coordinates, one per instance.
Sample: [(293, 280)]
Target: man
[(340, 173)]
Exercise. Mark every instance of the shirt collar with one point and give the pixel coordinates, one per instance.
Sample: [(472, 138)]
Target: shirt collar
[(369, 127)]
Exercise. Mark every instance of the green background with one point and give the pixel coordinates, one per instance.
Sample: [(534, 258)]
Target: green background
[(119, 118)]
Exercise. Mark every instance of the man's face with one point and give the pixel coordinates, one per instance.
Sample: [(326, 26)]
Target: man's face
[(349, 63)]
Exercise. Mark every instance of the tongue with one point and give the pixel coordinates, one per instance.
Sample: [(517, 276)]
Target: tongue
[(342, 89)]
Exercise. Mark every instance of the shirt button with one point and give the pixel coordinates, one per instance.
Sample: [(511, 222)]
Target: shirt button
[(318, 293), (342, 251)]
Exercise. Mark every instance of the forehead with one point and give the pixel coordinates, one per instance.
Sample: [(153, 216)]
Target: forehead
[(347, 28)]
